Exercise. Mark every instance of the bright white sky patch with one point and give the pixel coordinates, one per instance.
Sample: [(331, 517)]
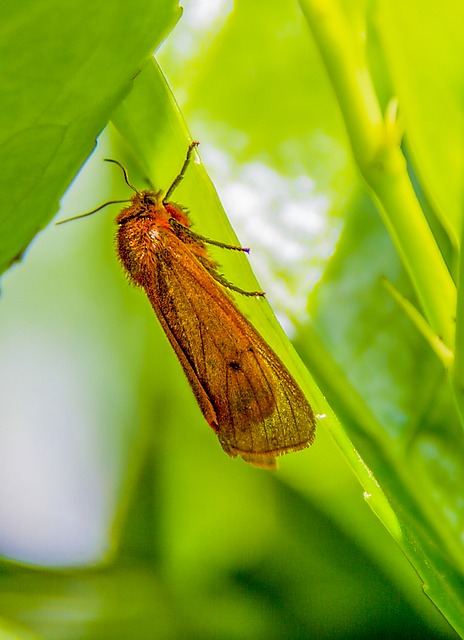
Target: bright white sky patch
[(199, 18)]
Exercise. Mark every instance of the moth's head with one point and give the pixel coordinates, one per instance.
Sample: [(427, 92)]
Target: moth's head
[(144, 204)]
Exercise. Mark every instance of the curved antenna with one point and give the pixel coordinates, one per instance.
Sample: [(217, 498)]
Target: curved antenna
[(179, 178), (102, 206), (89, 213), (126, 177)]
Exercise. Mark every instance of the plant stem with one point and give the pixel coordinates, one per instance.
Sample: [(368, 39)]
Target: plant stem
[(375, 141)]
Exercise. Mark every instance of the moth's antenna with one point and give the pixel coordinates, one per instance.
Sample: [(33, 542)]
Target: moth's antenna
[(89, 213), (126, 177)]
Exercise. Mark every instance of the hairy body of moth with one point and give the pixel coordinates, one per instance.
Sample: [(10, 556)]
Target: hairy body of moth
[(245, 392)]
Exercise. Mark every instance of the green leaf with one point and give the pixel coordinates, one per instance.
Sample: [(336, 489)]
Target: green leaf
[(175, 513), (58, 91)]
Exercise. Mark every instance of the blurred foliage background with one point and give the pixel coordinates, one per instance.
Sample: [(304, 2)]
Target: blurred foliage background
[(120, 517)]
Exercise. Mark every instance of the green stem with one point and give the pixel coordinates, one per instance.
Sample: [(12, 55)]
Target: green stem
[(376, 147)]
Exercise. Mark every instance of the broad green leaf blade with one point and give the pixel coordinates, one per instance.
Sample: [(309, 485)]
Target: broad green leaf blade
[(64, 68), (395, 404)]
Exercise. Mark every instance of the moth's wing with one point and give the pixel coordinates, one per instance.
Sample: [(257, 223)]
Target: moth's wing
[(244, 391)]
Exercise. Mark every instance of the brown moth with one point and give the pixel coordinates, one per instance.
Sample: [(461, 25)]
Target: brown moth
[(244, 391)]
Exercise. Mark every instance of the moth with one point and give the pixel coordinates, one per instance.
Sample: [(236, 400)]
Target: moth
[(245, 392)]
